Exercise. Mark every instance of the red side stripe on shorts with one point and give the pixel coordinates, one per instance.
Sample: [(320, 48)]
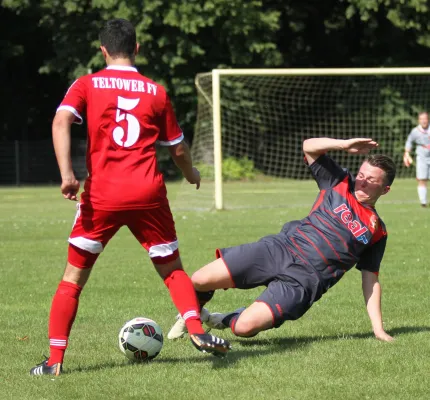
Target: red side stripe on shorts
[(218, 255)]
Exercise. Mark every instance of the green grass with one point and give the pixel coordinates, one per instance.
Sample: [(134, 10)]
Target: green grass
[(328, 354)]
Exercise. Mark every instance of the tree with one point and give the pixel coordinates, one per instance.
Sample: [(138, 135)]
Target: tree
[(178, 39), (59, 39), (28, 98)]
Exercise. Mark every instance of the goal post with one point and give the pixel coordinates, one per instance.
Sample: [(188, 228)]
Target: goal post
[(216, 121), (264, 115)]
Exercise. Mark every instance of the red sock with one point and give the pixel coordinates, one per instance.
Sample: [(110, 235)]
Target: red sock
[(232, 323), (184, 297), (63, 312)]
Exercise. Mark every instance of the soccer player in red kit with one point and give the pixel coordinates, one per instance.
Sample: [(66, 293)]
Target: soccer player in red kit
[(127, 114)]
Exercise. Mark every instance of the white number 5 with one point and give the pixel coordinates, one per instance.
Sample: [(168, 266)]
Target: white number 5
[(133, 129)]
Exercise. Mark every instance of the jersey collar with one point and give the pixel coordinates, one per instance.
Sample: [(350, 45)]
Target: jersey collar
[(122, 68)]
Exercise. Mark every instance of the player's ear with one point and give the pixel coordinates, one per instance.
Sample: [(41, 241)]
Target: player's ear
[(104, 51), (136, 50), (386, 189)]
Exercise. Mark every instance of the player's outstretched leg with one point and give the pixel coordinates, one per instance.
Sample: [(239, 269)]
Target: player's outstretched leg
[(244, 322), (184, 297), (208, 343), (212, 276), (223, 320), (179, 329)]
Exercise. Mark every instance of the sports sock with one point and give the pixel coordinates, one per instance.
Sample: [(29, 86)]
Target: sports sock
[(422, 194), (184, 297), (230, 319), (204, 297), (63, 312)]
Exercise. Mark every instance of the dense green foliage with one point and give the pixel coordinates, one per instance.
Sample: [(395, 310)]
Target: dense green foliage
[(233, 169), (47, 43)]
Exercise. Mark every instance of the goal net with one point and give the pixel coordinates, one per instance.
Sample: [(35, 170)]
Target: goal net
[(251, 123)]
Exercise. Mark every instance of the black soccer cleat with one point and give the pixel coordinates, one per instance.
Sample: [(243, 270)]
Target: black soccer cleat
[(207, 343), (43, 369)]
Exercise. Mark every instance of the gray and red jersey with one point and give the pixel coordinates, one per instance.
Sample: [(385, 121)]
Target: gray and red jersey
[(421, 138), (339, 232)]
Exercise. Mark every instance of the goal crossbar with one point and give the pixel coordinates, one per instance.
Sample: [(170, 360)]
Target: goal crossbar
[(324, 71)]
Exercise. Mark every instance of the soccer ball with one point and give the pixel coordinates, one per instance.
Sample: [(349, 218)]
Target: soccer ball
[(140, 339)]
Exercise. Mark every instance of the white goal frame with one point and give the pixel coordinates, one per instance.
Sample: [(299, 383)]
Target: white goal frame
[(216, 100)]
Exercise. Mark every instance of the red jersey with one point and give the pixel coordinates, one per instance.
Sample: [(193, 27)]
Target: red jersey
[(127, 114)]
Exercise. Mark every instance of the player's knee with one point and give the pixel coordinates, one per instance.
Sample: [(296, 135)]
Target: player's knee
[(200, 280), (245, 328), (76, 275)]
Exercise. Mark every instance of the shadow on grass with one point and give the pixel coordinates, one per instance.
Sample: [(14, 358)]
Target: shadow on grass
[(305, 340), (203, 359), (265, 346), (211, 361)]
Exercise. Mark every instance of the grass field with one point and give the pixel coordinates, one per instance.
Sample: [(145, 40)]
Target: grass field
[(328, 354)]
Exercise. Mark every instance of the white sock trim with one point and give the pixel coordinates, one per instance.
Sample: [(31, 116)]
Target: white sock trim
[(422, 194), (190, 314)]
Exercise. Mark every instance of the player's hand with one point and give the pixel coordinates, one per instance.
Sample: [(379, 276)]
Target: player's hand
[(359, 145), (70, 188), (407, 160), (383, 336), (194, 179)]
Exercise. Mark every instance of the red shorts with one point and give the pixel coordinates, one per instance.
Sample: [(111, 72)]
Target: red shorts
[(153, 228)]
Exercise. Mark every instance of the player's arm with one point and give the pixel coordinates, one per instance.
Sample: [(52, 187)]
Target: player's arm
[(369, 264), (316, 147), (61, 136), (372, 297), (326, 172), (69, 112), (171, 136), (407, 159), (181, 155)]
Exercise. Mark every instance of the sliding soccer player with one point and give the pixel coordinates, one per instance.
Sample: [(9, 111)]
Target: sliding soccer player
[(308, 257)]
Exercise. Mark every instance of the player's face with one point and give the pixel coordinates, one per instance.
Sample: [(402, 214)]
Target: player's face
[(423, 120), (370, 184)]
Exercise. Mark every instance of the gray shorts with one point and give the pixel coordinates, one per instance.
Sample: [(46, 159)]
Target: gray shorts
[(423, 168), (292, 288)]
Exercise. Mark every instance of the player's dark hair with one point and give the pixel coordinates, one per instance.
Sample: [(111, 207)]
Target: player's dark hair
[(386, 164), (119, 37)]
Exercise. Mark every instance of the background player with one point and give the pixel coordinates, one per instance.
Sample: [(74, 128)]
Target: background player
[(127, 114), (420, 135), (307, 257)]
